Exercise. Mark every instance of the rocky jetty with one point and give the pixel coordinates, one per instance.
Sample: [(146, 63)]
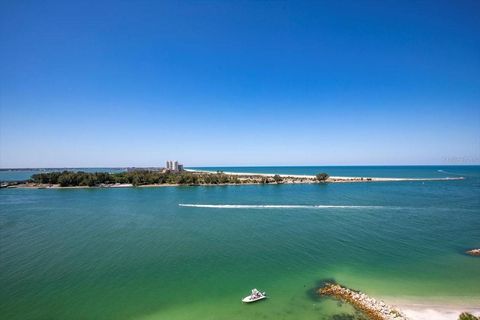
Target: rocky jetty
[(474, 252), (374, 309)]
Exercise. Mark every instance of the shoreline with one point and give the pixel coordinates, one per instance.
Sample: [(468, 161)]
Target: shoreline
[(427, 309), (243, 178), (407, 308), (334, 179)]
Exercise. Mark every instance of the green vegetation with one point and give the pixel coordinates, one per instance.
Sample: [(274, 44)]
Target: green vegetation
[(136, 178), (153, 177), (322, 177), (467, 316), (277, 178)]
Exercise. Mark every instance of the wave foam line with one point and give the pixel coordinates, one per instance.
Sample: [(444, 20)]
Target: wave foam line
[(452, 173), (274, 206)]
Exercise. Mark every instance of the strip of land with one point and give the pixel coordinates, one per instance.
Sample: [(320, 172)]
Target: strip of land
[(421, 309), (293, 178), (166, 178)]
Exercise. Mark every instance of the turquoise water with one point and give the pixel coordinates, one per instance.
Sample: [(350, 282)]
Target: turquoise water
[(135, 253)]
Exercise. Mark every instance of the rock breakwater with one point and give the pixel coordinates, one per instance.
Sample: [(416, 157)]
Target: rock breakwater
[(374, 309), (474, 252)]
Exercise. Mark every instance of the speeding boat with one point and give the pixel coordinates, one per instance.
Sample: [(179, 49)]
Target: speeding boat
[(254, 296)]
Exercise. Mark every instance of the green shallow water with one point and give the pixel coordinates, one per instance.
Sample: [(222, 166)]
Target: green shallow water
[(134, 253)]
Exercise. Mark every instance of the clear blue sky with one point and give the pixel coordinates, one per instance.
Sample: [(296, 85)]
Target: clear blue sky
[(133, 83)]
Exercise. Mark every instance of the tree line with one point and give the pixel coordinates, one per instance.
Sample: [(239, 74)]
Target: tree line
[(136, 178), (146, 177)]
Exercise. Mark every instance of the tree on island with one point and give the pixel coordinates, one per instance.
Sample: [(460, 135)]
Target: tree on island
[(277, 178), (136, 178), (467, 316), (322, 177)]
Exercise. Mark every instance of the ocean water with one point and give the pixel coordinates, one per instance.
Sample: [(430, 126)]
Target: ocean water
[(194, 252)]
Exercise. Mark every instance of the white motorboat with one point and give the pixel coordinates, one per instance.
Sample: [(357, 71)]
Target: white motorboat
[(255, 296)]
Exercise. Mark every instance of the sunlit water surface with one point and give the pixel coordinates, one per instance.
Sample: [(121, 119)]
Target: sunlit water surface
[(136, 253)]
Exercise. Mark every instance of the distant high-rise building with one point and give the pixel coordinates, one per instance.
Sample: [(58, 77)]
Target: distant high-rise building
[(174, 166)]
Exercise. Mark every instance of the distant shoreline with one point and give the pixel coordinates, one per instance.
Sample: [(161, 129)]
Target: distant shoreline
[(243, 166)]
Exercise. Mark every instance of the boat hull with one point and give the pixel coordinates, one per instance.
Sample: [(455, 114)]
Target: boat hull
[(249, 299)]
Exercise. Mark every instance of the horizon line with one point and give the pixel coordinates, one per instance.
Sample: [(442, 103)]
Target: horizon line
[(247, 166)]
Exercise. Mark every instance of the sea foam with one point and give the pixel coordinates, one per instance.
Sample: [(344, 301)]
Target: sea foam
[(274, 206)]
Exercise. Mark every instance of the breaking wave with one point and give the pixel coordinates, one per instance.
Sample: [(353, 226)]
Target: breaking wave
[(274, 206)]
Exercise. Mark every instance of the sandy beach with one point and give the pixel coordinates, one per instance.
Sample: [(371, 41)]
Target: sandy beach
[(433, 310), (409, 308), (331, 178)]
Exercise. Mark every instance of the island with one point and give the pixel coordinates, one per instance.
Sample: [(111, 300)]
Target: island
[(152, 178)]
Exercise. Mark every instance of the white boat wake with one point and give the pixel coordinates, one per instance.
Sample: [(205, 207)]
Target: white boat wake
[(275, 206), (452, 173)]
